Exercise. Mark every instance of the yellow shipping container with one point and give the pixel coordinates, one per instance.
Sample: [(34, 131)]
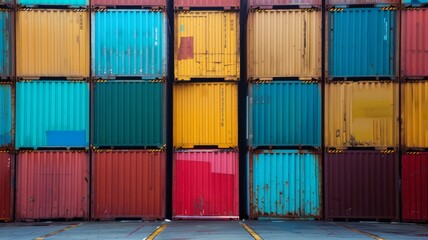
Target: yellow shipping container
[(52, 43), (206, 45), (361, 114), (284, 43), (206, 114), (415, 114)]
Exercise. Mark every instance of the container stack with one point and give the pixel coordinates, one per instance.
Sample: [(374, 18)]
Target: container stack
[(129, 52), (414, 113), (284, 109), (6, 108), (361, 110), (205, 109), (52, 109)]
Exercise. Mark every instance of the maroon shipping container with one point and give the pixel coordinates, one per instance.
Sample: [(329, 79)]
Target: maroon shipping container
[(225, 4), (6, 161), (414, 46), (52, 185), (268, 4), (144, 3), (361, 185), (128, 184), (205, 184), (362, 2), (415, 187)]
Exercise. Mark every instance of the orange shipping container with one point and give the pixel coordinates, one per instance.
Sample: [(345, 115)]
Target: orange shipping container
[(52, 43), (128, 184)]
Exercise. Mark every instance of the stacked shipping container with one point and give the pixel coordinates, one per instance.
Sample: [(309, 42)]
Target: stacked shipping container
[(361, 112), (414, 72), (52, 110), (205, 110), (128, 127), (284, 109)]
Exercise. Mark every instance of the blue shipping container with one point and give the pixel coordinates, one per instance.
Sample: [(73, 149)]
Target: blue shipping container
[(362, 43), (129, 43), (71, 3), (52, 114), (415, 2), (6, 62), (6, 134), (284, 113), (285, 184)]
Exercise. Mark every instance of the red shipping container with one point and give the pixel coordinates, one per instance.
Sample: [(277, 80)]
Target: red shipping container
[(225, 4), (414, 43), (6, 161), (128, 184), (361, 185), (52, 185), (268, 4), (205, 184), (415, 187), (144, 3)]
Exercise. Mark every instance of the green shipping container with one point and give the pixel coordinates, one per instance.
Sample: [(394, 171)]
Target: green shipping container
[(128, 114)]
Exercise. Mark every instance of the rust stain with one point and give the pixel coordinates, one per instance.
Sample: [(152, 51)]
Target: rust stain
[(186, 48)]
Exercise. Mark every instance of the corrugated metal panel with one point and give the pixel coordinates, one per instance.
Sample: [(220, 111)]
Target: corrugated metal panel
[(72, 3), (206, 45), (52, 185), (205, 184), (128, 114), (206, 114), (415, 187), (6, 116), (147, 3), (6, 2), (52, 114), (284, 43), (226, 4), (361, 185), (128, 184), (415, 2), (52, 43), (6, 40), (356, 2), (271, 3), (284, 113), (5, 186), (414, 43), (129, 43), (361, 114), (415, 115), (362, 43), (285, 183)]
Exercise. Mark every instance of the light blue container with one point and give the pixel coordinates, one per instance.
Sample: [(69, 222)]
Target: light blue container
[(6, 133), (285, 184), (284, 113), (362, 43), (70, 3), (6, 62), (129, 43), (52, 114), (415, 2)]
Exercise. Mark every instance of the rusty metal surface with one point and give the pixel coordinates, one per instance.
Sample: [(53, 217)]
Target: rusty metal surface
[(128, 183), (6, 161), (361, 185), (144, 3), (52, 185)]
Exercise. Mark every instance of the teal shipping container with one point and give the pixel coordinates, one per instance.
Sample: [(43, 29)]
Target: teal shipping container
[(38, 3), (128, 114), (6, 39), (415, 3), (284, 113), (362, 43), (6, 132), (129, 43), (285, 184), (52, 114)]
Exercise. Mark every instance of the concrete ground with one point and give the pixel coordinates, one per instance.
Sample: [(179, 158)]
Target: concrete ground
[(181, 230)]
